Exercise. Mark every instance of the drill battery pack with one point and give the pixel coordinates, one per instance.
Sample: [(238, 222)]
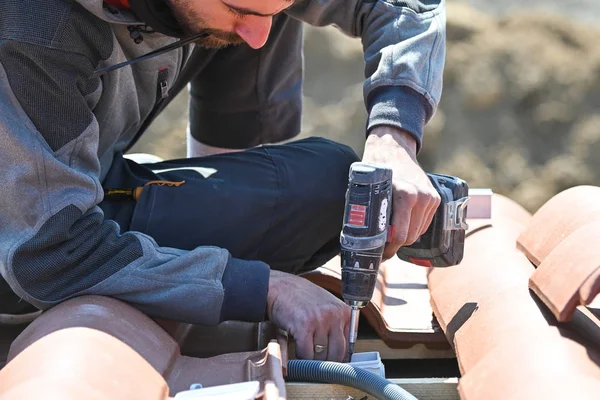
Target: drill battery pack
[(442, 245)]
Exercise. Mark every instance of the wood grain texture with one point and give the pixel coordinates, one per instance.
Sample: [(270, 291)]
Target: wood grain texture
[(422, 389)]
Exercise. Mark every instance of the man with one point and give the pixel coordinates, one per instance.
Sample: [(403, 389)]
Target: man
[(203, 239)]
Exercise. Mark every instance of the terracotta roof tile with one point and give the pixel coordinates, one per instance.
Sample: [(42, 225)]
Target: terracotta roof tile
[(80, 363), (560, 216), (45, 343), (561, 242), (570, 275), (507, 345)]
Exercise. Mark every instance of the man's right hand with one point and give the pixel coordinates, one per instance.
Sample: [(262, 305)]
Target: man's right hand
[(309, 313)]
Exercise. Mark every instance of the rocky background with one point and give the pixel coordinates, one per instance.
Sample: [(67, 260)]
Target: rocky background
[(520, 111)]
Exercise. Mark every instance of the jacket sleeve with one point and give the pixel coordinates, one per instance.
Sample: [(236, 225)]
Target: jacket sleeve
[(404, 52), (54, 240)]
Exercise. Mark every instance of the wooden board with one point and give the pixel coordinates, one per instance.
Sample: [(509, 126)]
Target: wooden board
[(417, 351), (421, 388)]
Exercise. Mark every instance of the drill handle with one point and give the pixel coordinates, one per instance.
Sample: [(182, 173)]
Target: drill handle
[(442, 245)]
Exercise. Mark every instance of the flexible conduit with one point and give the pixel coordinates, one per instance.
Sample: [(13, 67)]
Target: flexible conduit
[(347, 375)]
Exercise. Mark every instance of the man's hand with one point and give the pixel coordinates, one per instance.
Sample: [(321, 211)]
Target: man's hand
[(415, 200), (309, 313)]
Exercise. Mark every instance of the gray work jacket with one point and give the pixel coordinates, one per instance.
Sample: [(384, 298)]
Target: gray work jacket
[(60, 127)]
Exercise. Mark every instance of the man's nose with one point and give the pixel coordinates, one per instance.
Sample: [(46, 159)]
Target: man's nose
[(254, 30)]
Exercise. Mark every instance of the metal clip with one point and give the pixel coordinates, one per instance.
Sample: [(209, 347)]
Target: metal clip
[(164, 89), (455, 214)]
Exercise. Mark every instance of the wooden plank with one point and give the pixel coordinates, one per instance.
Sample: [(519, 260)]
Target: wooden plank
[(418, 351), (421, 388)]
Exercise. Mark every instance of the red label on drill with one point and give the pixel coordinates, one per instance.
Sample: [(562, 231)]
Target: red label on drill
[(357, 215), (423, 262)]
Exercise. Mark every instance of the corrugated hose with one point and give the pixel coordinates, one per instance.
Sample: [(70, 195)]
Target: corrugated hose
[(347, 375)]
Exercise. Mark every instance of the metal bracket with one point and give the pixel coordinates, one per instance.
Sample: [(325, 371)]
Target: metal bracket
[(455, 214)]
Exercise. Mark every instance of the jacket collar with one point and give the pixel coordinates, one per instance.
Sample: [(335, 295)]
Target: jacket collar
[(155, 14)]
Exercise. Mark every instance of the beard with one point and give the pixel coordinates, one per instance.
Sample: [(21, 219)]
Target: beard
[(218, 39), (193, 23)]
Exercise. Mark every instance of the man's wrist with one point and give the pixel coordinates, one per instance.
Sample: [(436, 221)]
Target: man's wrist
[(400, 107), (245, 285), (393, 135), (272, 291)]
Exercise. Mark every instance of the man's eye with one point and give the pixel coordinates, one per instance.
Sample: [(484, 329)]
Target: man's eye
[(236, 14)]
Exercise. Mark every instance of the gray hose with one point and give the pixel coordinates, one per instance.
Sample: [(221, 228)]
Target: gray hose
[(347, 375)]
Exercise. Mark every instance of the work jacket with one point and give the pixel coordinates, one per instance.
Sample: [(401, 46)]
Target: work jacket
[(63, 120)]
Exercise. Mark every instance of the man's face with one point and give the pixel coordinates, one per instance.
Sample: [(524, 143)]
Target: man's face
[(229, 22)]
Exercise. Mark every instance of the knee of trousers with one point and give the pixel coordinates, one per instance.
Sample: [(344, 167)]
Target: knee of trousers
[(343, 154), (336, 158), (326, 171)]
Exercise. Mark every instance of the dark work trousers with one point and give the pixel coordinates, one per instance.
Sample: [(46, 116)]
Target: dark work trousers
[(281, 204)]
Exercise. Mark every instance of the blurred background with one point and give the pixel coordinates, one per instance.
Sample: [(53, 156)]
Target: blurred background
[(520, 111)]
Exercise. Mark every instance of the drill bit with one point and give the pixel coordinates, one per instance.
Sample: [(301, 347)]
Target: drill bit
[(354, 313)]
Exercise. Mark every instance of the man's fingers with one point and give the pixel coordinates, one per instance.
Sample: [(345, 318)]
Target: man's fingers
[(429, 217), (426, 218), (326, 344), (346, 329), (422, 214), (304, 347), (309, 313), (432, 209), (337, 344), (401, 220), (390, 251), (321, 344), (417, 218)]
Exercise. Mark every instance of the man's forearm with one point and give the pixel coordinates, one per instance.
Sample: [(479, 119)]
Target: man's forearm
[(404, 50)]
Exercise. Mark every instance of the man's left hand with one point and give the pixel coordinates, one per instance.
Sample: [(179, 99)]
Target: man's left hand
[(415, 200)]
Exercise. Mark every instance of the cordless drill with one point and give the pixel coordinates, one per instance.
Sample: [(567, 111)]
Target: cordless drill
[(366, 230)]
